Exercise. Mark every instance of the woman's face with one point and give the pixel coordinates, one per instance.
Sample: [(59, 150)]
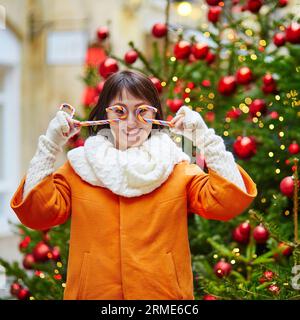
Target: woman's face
[(130, 132)]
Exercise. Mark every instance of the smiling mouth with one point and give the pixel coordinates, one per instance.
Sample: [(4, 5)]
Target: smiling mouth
[(132, 133)]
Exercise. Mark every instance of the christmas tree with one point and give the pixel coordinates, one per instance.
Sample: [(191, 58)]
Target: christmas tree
[(245, 81)]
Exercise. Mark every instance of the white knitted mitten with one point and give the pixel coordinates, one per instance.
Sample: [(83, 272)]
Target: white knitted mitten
[(60, 130), (212, 146)]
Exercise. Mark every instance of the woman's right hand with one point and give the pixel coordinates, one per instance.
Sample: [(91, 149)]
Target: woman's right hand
[(62, 127)]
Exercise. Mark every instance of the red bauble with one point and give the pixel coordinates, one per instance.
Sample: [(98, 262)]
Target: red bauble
[(182, 49), (262, 280), (190, 85), (209, 297), (57, 277), (279, 39), (15, 287), (233, 113), (287, 186), (28, 261), (89, 95), (292, 33), (185, 95), (254, 5), (269, 88), (157, 84), (257, 105), (200, 50), (24, 243), (107, 67), (294, 148), (274, 289), (241, 233), (100, 86), (222, 269), (260, 234), (268, 275), (274, 115), (41, 252), (210, 57), (244, 147), (227, 85), (94, 56), (23, 294), (174, 104), (245, 228), (268, 79), (282, 3), (102, 33), (285, 249), (131, 56), (239, 237), (213, 14), (212, 2), (179, 86), (243, 75), (159, 30), (55, 254), (210, 116), (206, 83)]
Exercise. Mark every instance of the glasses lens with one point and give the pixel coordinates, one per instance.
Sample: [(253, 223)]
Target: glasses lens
[(117, 112), (120, 112), (146, 112)]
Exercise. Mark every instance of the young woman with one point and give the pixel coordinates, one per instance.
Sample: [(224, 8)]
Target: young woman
[(128, 192)]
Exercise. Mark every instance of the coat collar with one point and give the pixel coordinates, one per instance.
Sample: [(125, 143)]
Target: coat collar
[(129, 173)]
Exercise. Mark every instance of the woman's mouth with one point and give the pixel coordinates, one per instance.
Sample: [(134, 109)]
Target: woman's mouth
[(133, 132)]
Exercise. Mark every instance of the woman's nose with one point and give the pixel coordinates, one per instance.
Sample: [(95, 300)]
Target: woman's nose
[(131, 119)]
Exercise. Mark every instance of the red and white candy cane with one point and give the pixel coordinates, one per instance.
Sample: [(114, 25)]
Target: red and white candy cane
[(86, 123), (122, 117), (154, 121)]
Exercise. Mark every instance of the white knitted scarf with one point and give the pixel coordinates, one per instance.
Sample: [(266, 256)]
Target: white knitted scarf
[(131, 172)]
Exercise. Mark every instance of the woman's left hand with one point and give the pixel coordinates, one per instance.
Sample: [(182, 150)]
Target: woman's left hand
[(177, 122), (189, 124)]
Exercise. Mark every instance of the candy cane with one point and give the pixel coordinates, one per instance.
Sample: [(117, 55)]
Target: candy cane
[(108, 121), (154, 121)]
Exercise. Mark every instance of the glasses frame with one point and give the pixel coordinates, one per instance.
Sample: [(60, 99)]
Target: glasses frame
[(138, 110), (71, 111)]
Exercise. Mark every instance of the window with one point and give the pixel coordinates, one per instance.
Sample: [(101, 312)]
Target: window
[(9, 126)]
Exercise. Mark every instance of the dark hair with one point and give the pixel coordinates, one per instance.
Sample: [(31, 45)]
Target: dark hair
[(137, 84)]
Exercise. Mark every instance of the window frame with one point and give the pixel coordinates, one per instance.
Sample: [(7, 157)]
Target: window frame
[(10, 127)]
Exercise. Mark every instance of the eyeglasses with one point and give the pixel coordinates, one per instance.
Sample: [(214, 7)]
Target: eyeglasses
[(143, 113), (119, 113)]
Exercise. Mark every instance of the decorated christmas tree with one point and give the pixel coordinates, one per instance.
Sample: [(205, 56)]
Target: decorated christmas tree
[(241, 72)]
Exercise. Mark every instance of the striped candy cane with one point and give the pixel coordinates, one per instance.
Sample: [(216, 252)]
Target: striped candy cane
[(71, 111)]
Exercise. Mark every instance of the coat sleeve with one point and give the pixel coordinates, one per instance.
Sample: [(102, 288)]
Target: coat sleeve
[(214, 197), (48, 204)]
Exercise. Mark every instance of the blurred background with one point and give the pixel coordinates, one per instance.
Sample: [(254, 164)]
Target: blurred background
[(54, 51)]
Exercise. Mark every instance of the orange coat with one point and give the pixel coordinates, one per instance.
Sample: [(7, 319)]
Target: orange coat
[(130, 248)]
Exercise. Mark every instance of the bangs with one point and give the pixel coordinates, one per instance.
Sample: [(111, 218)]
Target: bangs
[(136, 88)]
